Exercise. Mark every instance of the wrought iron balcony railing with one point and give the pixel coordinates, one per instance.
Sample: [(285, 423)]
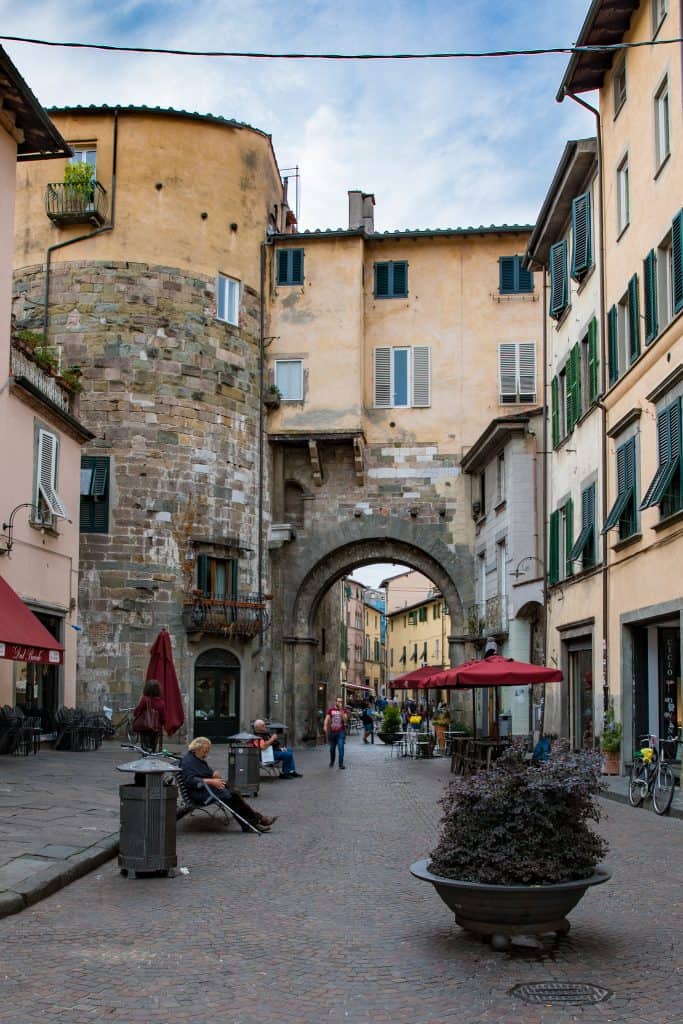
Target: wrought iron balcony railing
[(48, 385), (487, 617), (244, 615), (69, 204)]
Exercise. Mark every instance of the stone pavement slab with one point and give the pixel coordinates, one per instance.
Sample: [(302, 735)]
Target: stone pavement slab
[(320, 922)]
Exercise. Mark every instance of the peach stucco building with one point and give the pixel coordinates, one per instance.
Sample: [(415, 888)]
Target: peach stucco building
[(39, 459)]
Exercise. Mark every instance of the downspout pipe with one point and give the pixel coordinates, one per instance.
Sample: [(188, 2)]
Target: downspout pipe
[(603, 411), (544, 496), (82, 238), (262, 425)]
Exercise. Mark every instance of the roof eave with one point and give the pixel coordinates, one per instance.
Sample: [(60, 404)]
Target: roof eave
[(579, 160)]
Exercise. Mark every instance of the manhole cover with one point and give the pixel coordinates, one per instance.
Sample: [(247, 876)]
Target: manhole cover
[(562, 993)]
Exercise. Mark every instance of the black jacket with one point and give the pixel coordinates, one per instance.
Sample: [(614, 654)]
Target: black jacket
[(193, 770)]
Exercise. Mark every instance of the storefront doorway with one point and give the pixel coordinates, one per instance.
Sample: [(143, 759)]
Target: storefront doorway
[(36, 686), (581, 696), (216, 695), (657, 696)]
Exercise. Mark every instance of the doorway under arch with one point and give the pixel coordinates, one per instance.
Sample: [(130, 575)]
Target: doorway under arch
[(217, 675)]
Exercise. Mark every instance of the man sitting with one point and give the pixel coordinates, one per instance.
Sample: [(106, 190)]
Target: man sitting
[(282, 755), (196, 772)]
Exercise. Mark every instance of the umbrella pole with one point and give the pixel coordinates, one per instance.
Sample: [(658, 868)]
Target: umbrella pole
[(474, 715)]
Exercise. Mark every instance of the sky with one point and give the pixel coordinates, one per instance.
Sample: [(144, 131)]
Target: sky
[(439, 143)]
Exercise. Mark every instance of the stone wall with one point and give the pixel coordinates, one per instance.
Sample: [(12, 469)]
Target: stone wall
[(172, 395)]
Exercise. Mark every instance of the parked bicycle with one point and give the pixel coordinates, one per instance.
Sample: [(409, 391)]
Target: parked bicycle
[(652, 773), (124, 725)]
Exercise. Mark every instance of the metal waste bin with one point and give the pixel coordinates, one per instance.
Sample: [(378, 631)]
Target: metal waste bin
[(148, 818), (244, 763), (504, 726)]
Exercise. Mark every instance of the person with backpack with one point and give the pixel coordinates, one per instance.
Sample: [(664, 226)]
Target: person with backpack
[(368, 724), (149, 716), (334, 727)]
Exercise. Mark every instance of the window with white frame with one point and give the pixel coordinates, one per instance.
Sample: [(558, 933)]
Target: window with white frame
[(662, 124), (289, 379), (47, 503), (228, 299), (85, 155), (402, 377), (623, 196), (619, 83), (517, 372)]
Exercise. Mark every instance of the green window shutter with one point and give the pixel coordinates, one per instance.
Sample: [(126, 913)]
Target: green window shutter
[(526, 277), (633, 318), (559, 285), (593, 361), (203, 574), (569, 392), (569, 536), (506, 268), (555, 406), (585, 544), (290, 266), (381, 280), (297, 266), (677, 262), (650, 294), (625, 472), (578, 407), (612, 343), (669, 451), (554, 548), (282, 266), (399, 284), (582, 255), (233, 578), (94, 503)]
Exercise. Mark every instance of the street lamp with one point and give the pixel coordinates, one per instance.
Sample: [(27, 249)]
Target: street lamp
[(8, 527)]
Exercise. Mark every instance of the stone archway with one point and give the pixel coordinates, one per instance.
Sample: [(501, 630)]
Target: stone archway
[(304, 572)]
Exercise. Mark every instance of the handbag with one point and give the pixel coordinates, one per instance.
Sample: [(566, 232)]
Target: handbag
[(267, 756), (147, 720)]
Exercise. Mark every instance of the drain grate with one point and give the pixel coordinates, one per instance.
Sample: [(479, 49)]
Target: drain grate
[(561, 993)]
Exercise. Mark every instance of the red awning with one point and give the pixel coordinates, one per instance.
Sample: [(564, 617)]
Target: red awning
[(22, 636)]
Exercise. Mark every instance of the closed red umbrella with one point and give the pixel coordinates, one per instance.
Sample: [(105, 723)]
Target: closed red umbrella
[(162, 669)]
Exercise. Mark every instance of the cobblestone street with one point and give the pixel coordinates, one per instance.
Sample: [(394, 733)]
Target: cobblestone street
[(321, 921)]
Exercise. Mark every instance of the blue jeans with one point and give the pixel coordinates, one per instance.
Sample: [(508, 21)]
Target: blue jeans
[(286, 758), (337, 743)]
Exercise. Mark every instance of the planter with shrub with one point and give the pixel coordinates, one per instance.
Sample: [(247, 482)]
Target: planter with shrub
[(391, 724), (516, 851), (610, 743)]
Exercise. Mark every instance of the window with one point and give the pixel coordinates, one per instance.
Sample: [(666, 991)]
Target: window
[(500, 476), (85, 156), (402, 659), (289, 379), (413, 656), (623, 197), (228, 299), (582, 250), (677, 263), (561, 534), (665, 489), (482, 585), (412, 618), (572, 384), (437, 651), (517, 372), (403, 377), (559, 282), (650, 296), (623, 331), (217, 577), (659, 12), (514, 278), (623, 513), (501, 558), (391, 279), (45, 497), (290, 266), (423, 614), (376, 650), (662, 125), (94, 513), (482, 493), (590, 364), (584, 548), (619, 83), (436, 611)]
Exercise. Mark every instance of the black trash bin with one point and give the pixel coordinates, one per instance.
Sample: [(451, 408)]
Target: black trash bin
[(244, 761), (148, 818)]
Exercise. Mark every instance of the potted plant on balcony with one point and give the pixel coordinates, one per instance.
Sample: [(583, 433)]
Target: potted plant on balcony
[(610, 742), (391, 724), (79, 190), (272, 397), (516, 851)]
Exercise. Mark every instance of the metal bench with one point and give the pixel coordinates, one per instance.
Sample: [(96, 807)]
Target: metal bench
[(214, 807)]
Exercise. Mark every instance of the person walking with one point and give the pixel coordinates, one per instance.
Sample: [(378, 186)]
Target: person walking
[(149, 717), (334, 727), (368, 724)]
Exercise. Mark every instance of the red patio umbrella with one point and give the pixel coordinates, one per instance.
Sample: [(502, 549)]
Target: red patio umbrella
[(162, 669), (415, 679)]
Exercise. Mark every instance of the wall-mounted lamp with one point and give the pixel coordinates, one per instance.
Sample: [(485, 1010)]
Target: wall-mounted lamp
[(6, 537)]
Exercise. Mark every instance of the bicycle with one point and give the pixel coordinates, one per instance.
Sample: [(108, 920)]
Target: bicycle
[(652, 774)]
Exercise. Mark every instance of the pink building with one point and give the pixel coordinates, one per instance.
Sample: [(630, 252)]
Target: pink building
[(40, 460)]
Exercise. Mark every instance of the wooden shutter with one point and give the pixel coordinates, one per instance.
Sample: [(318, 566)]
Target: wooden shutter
[(650, 294), (399, 275), (593, 361), (507, 372), (569, 392), (203, 582), (612, 343), (283, 266), (558, 279), (527, 371), (677, 262), (297, 266), (48, 447), (233, 578), (554, 548), (383, 378), (381, 280), (555, 405), (94, 505), (506, 267), (422, 377), (568, 537), (633, 318), (669, 451), (582, 256), (526, 277), (578, 398)]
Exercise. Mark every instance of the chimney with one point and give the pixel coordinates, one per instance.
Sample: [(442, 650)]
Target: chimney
[(361, 210)]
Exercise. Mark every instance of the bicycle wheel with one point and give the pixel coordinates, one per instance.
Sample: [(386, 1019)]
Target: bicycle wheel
[(637, 785), (663, 792)]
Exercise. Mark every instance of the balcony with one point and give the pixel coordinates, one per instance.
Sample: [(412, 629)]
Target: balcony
[(243, 616), (23, 367), (489, 618), (69, 204)]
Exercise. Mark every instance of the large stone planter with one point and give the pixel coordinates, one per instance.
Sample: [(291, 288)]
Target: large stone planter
[(388, 737), (497, 912)]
